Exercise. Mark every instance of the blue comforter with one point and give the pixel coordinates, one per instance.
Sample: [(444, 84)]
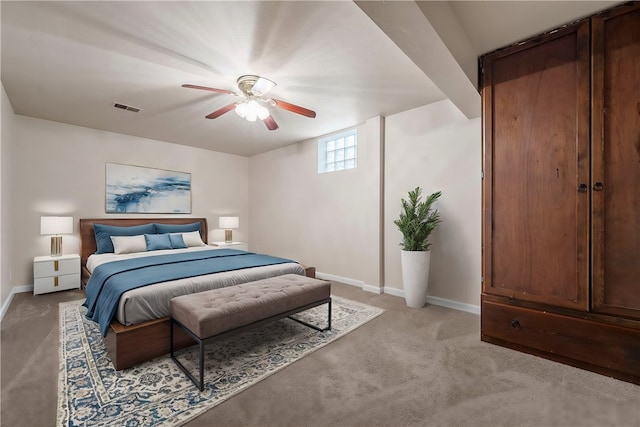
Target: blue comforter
[(110, 280)]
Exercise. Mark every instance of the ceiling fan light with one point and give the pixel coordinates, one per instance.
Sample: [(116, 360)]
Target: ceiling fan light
[(241, 109), (257, 110), (254, 110), (253, 105), (263, 113), (251, 110)]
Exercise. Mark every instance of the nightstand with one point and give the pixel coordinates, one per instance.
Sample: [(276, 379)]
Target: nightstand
[(241, 246), (56, 273)]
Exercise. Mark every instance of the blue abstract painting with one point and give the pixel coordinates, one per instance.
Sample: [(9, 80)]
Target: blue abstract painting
[(135, 189)]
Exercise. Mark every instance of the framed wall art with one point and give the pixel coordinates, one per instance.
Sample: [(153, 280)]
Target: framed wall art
[(137, 189)]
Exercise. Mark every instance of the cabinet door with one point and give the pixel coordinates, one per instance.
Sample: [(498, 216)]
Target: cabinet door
[(536, 157), (616, 162)]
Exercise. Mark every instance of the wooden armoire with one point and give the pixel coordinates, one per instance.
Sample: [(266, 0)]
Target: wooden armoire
[(561, 194)]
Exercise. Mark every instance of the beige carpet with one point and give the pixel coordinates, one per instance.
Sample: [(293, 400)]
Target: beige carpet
[(407, 367)]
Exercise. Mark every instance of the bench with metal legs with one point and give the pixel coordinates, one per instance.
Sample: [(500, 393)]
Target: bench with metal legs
[(222, 312), (202, 341)]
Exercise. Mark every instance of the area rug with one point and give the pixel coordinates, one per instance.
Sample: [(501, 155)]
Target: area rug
[(157, 393)]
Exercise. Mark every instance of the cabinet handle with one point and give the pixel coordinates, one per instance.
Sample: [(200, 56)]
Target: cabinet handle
[(515, 324), (582, 188), (597, 186), (56, 265), (55, 281)]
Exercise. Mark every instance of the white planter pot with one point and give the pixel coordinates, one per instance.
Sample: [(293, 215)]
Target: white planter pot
[(415, 276)]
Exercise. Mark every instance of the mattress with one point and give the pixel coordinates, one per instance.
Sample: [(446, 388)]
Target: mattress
[(152, 301)]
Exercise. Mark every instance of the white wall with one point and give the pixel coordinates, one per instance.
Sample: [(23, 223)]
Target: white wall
[(59, 169), (8, 118), (436, 148), (342, 222), (330, 220)]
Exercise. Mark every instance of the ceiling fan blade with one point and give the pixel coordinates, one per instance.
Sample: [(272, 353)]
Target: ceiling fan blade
[(210, 89), (271, 124), (221, 111), (295, 108)]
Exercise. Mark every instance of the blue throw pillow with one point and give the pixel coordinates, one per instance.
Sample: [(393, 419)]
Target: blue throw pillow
[(177, 242), (157, 241), (103, 234), (177, 228)]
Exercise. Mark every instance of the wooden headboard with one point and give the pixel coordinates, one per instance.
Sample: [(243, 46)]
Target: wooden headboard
[(88, 238)]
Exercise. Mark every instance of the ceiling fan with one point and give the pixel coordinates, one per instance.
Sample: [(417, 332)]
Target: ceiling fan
[(254, 106)]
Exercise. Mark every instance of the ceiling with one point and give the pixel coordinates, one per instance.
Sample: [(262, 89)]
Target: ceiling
[(349, 61)]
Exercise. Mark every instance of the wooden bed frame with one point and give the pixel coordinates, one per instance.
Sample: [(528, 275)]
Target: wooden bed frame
[(131, 345)]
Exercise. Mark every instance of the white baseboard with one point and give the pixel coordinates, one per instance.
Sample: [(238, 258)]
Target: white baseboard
[(353, 282), (345, 280), (456, 305), (15, 290), (393, 291), (372, 289)]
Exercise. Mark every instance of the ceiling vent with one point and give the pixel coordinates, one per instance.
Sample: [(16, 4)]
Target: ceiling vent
[(126, 107)]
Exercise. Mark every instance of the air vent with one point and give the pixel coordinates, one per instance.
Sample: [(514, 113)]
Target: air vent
[(126, 107)]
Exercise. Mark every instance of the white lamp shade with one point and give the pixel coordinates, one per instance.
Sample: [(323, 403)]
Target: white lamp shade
[(229, 222), (56, 225)]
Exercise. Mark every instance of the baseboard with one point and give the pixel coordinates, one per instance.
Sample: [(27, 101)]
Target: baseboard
[(456, 305), (6, 305), (393, 291), (15, 290), (347, 281), (372, 289)]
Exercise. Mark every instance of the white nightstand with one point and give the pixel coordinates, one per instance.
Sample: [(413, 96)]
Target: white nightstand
[(241, 246), (56, 273)]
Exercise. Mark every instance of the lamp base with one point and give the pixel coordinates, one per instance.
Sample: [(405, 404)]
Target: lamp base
[(228, 236), (56, 245)]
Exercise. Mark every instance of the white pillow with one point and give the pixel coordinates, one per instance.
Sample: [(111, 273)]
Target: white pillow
[(128, 244), (192, 238)]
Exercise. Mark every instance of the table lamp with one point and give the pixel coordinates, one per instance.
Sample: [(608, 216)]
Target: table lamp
[(228, 223), (56, 225)]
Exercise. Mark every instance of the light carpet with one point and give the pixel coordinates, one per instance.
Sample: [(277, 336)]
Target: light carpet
[(157, 393)]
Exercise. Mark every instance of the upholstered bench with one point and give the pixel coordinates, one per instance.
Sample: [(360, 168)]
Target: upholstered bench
[(211, 315)]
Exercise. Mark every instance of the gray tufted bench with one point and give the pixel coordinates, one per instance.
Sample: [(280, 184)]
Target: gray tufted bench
[(214, 314)]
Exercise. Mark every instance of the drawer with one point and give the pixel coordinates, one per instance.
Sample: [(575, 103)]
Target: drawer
[(56, 267), (43, 285), (611, 347), (235, 245)]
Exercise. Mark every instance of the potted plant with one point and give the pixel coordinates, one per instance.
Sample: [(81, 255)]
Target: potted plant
[(416, 223)]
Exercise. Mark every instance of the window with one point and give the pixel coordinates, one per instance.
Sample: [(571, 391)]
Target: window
[(338, 152)]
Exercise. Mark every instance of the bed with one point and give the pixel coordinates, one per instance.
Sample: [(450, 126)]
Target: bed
[(139, 330)]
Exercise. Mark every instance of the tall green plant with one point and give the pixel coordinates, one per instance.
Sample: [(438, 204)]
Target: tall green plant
[(417, 220)]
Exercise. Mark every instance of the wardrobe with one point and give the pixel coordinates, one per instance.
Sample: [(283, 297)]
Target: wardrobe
[(561, 194)]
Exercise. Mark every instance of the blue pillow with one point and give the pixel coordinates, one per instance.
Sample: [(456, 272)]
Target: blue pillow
[(157, 241), (177, 242), (177, 228), (103, 234)]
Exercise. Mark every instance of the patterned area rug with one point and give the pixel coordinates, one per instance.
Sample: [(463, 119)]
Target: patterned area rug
[(157, 393)]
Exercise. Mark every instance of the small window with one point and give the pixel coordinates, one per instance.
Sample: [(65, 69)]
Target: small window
[(338, 152)]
